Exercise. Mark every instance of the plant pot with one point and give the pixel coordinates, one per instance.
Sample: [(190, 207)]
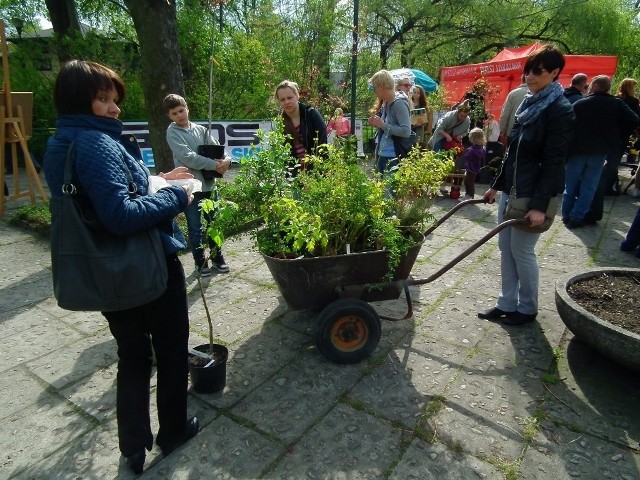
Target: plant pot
[(213, 378), (616, 343)]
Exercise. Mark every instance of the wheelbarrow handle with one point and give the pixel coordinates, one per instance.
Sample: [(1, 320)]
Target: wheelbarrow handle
[(446, 216), (468, 251)]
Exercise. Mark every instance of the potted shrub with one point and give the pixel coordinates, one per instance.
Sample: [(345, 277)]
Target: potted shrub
[(332, 209), (335, 224), (208, 362)]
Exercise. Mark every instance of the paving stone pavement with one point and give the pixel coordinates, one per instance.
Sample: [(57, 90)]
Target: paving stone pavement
[(444, 396)]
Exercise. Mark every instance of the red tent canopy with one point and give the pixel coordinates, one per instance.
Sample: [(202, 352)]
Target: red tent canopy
[(503, 73)]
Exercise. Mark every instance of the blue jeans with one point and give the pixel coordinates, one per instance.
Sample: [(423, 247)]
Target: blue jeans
[(518, 266), (384, 164), (439, 145), (581, 182), (632, 240), (193, 214)]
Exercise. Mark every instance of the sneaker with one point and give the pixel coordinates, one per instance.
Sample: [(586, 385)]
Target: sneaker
[(219, 264), (203, 269)]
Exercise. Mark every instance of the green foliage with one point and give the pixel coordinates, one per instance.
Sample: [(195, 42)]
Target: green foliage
[(416, 182), (264, 42), (332, 208)]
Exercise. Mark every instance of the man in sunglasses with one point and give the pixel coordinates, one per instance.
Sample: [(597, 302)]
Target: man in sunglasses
[(578, 88)]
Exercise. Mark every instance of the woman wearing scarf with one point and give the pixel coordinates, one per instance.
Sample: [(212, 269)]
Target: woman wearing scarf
[(539, 142)]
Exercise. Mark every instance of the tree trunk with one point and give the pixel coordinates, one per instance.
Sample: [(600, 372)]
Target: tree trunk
[(156, 25), (64, 19), (63, 15)]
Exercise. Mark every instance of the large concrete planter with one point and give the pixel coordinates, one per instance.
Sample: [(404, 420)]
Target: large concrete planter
[(611, 341)]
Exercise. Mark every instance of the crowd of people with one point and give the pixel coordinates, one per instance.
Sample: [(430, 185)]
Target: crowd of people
[(559, 142)]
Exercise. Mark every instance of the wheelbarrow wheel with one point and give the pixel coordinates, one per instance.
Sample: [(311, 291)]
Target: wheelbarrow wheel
[(348, 331)]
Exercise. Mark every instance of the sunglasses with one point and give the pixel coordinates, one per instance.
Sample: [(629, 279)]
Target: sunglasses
[(537, 71), (404, 84)]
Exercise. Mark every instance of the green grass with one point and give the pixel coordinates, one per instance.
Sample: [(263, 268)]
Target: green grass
[(35, 218)]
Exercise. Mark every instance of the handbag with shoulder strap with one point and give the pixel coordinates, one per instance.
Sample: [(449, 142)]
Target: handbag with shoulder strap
[(95, 269)]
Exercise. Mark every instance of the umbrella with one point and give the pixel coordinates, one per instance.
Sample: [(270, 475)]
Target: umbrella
[(425, 81), (416, 76)]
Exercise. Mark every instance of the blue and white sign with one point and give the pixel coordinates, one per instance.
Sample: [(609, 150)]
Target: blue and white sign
[(238, 137)]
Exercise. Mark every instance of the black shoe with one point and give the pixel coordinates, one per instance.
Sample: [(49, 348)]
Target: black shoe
[(494, 314), (517, 318), (219, 264), (136, 462), (190, 430), (571, 224), (203, 269)]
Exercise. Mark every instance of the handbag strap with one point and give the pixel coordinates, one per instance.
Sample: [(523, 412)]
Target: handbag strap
[(69, 188), (515, 167)]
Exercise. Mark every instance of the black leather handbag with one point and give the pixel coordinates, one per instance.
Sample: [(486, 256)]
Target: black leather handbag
[(95, 269)]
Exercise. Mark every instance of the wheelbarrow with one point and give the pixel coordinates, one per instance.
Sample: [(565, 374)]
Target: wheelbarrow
[(349, 329)]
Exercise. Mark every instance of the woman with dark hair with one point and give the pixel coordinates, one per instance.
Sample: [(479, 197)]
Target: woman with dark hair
[(87, 96), (538, 145), (303, 123)]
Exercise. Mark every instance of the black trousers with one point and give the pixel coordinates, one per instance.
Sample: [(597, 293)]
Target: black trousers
[(163, 323)]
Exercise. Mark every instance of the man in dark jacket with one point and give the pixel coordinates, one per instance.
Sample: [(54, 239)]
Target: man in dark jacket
[(600, 120), (579, 86)]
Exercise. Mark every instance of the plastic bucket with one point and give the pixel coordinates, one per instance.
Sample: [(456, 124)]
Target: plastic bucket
[(213, 378)]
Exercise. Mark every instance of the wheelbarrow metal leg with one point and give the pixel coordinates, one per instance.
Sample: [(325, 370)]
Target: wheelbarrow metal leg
[(409, 313)]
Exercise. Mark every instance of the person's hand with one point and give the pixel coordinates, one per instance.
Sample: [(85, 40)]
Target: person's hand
[(376, 121), (418, 122), (188, 190), (503, 139), (176, 174), (458, 138), (490, 195), (447, 137), (223, 165), (536, 217)]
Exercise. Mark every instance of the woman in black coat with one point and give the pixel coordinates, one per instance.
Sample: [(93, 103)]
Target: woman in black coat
[(538, 145), (303, 123)]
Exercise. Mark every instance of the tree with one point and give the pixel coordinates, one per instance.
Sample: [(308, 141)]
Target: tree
[(156, 25)]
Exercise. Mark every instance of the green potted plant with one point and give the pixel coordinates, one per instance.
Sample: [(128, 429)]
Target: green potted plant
[(208, 362), (332, 231)]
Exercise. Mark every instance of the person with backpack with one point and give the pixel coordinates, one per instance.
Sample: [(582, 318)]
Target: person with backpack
[(391, 116)]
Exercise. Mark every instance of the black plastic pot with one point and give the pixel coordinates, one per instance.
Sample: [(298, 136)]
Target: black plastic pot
[(213, 378)]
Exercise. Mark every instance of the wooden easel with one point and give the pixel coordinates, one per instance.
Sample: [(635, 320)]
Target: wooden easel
[(13, 132)]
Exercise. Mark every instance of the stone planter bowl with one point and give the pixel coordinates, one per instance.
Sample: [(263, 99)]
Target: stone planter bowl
[(619, 345)]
